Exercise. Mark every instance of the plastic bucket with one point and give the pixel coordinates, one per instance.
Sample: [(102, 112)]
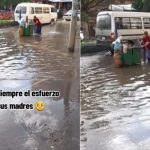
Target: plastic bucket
[(117, 60), (21, 32), (31, 29)]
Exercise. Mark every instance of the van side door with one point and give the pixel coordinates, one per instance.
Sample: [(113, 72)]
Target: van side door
[(53, 13), (46, 15), (31, 13), (39, 13)]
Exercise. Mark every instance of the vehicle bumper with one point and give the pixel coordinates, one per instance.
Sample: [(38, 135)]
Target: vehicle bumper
[(103, 43), (67, 17)]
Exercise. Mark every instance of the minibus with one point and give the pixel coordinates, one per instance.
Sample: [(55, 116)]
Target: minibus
[(129, 25), (46, 13)]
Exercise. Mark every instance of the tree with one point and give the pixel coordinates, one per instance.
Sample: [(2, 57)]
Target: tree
[(142, 5), (146, 6), (89, 9), (138, 5)]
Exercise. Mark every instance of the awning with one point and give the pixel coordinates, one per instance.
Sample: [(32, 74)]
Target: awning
[(60, 0)]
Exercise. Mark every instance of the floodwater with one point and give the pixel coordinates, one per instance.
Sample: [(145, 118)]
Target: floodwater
[(115, 105), (33, 63)]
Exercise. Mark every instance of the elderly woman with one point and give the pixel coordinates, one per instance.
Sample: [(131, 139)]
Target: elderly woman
[(38, 25)]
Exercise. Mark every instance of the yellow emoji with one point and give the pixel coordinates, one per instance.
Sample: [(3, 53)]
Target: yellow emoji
[(40, 105)]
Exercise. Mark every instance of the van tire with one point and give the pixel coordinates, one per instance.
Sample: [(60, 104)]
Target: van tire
[(68, 19), (52, 21)]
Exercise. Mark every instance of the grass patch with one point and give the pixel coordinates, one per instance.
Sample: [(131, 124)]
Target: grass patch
[(6, 22)]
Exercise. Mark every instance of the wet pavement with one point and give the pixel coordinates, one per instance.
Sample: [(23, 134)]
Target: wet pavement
[(115, 105), (40, 62)]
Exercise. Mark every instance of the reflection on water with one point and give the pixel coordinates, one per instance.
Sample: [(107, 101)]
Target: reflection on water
[(34, 63), (34, 57), (111, 98)]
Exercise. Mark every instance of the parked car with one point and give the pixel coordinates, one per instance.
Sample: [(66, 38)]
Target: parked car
[(67, 16)]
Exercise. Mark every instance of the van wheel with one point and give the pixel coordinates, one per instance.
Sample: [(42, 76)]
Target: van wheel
[(52, 22)]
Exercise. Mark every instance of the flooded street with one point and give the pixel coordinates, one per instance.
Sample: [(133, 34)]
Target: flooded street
[(115, 105), (33, 63)]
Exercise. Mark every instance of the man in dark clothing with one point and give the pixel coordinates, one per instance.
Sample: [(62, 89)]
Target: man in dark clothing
[(38, 25)]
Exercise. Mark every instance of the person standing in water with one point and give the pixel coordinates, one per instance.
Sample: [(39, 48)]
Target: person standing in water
[(38, 25), (146, 45)]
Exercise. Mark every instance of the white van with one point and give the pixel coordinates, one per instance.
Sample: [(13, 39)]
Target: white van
[(111, 24), (46, 13)]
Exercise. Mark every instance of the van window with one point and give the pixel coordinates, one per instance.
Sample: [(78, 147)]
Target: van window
[(23, 9), (45, 10), (136, 23), (146, 22), (122, 23), (128, 23), (53, 9), (38, 10), (31, 10), (104, 22)]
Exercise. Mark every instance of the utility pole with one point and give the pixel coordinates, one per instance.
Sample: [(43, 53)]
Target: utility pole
[(72, 33)]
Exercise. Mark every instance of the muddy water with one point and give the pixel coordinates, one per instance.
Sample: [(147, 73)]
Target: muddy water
[(113, 101), (35, 57), (40, 62)]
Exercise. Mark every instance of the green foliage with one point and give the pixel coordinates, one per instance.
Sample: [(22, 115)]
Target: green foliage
[(146, 6), (6, 22), (138, 5), (142, 5)]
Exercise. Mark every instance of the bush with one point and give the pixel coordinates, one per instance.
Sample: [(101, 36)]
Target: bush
[(6, 23)]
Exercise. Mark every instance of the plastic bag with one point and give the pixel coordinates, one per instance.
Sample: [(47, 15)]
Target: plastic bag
[(125, 48), (21, 23), (117, 46)]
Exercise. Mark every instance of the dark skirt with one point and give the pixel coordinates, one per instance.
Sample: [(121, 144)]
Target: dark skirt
[(38, 29)]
